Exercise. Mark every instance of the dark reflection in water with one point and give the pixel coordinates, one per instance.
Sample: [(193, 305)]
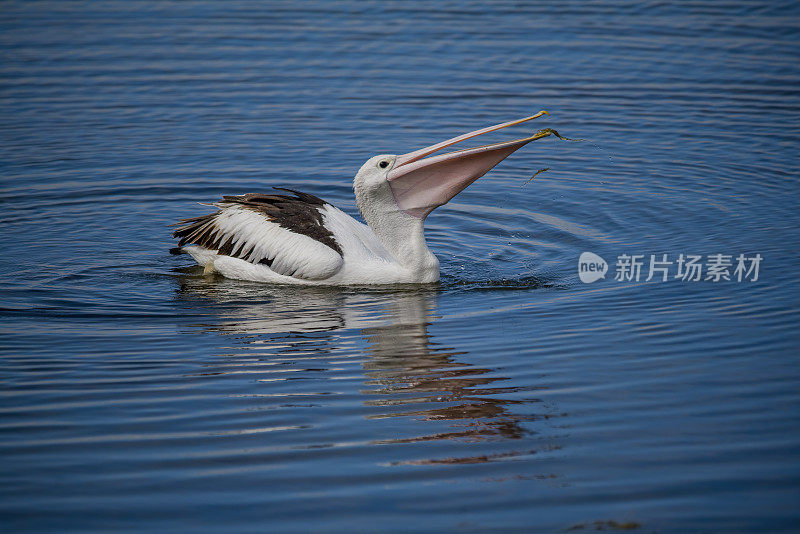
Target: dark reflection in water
[(407, 373), (405, 367)]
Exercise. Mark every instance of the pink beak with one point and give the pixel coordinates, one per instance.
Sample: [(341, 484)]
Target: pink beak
[(420, 184)]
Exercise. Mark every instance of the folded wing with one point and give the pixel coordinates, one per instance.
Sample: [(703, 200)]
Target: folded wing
[(285, 233)]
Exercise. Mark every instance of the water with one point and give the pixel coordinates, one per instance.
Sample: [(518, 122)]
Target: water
[(138, 394)]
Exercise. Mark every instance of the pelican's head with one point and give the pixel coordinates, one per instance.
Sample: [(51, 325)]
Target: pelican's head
[(418, 182)]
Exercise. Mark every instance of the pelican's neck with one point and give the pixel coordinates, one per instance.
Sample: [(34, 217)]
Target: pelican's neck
[(401, 234), (403, 238)]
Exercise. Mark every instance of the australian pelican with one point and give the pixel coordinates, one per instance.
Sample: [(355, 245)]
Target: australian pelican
[(298, 238)]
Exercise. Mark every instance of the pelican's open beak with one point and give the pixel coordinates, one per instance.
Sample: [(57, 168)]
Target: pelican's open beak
[(420, 184)]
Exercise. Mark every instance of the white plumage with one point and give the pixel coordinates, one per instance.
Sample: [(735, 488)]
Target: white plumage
[(299, 259)]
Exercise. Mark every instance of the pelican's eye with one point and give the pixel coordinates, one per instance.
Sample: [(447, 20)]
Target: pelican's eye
[(383, 164)]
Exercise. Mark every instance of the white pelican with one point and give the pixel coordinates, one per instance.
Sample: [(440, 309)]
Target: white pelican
[(301, 239)]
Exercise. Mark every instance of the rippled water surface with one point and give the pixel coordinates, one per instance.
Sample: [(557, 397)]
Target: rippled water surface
[(137, 394)]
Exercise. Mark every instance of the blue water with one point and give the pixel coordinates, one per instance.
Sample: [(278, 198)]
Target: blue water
[(137, 394)]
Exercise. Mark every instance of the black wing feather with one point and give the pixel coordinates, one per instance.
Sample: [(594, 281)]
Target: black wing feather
[(299, 213)]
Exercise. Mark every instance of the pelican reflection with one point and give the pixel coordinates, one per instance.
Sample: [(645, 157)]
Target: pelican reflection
[(407, 373)]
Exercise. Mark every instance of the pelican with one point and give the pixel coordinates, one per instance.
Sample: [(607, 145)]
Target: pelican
[(297, 238)]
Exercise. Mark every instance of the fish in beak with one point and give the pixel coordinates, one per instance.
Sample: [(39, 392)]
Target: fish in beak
[(421, 183)]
